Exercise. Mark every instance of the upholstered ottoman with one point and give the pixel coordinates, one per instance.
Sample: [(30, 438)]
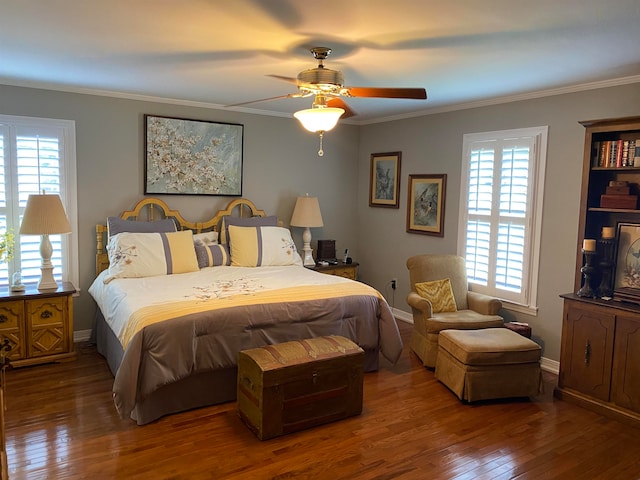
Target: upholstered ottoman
[(489, 363)]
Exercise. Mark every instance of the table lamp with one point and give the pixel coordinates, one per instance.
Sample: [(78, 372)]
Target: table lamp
[(307, 214), (44, 215)]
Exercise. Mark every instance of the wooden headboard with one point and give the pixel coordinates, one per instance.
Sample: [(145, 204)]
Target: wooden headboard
[(150, 209)]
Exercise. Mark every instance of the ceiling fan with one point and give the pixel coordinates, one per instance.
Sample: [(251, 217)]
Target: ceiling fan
[(327, 87)]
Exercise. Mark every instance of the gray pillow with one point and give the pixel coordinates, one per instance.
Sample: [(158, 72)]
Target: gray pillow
[(117, 225), (270, 221)]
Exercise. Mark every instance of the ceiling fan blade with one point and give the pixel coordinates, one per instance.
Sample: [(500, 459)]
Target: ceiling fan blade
[(286, 79), (337, 102), (413, 93), (289, 95)]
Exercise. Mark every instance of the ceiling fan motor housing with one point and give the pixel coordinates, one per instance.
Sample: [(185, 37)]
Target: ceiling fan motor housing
[(320, 79)]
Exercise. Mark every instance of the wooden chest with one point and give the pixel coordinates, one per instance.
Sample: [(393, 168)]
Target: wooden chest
[(295, 385)]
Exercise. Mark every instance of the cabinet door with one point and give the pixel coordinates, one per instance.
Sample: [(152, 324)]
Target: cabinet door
[(625, 388), (587, 349), (46, 326), (12, 327)]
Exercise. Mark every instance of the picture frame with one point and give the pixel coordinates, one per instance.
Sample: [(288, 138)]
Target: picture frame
[(192, 157), (626, 285), (425, 205), (384, 180)]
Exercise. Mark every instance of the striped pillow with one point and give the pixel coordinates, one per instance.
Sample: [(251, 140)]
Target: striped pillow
[(134, 255), (262, 246), (212, 255), (439, 293)]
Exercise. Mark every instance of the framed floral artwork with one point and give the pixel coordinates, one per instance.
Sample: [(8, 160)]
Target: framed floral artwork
[(384, 183), (425, 206), (627, 265), (192, 157)]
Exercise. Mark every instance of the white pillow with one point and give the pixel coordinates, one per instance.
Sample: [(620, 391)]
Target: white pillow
[(134, 255), (262, 246), (206, 238)]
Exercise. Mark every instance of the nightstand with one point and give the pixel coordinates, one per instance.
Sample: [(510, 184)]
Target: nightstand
[(346, 270), (38, 325)]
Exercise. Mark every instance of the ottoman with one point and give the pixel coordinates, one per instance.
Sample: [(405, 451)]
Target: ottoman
[(295, 385), (490, 363)]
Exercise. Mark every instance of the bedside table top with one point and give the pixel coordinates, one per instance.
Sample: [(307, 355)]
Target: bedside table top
[(320, 268), (31, 290)]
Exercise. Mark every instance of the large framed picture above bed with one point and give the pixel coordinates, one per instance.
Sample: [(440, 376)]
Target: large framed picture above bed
[(192, 157)]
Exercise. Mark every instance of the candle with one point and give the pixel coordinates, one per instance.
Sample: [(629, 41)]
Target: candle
[(608, 232), (589, 245)]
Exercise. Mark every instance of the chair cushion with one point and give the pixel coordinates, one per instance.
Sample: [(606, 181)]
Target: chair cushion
[(462, 320), (489, 346), (439, 293)]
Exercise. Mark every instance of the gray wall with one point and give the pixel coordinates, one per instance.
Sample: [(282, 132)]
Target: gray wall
[(280, 162), (433, 145)]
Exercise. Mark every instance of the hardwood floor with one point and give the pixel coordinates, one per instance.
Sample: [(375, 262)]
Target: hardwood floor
[(61, 424)]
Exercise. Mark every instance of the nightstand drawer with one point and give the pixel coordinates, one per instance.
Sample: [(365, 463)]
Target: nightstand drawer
[(46, 319), (346, 270), (12, 327)]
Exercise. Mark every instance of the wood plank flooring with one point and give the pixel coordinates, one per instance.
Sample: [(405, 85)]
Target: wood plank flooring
[(61, 424)]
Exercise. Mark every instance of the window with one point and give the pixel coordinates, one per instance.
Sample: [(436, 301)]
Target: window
[(37, 154), (500, 213)]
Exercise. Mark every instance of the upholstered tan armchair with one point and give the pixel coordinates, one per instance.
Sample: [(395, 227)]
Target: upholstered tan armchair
[(473, 310)]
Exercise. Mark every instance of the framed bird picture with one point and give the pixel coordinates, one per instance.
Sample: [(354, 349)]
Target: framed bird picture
[(627, 273), (425, 206)]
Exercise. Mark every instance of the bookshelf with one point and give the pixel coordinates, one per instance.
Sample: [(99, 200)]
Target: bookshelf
[(600, 346)]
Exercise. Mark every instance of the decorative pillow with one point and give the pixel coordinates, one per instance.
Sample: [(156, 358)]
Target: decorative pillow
[(212, 255), (116, 225), (149, 254), (439, 293), (270, 221), (206, 238), (262, 246)]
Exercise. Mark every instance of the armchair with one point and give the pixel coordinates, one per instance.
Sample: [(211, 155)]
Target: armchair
[(474, 310)]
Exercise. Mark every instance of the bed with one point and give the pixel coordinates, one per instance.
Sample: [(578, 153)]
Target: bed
[(171, 331)]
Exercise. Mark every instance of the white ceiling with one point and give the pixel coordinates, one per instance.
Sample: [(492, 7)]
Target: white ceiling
[(220, 51)]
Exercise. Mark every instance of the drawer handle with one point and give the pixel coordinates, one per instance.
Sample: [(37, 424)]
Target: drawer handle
[(587, 353), (3, 318), (46, 314)]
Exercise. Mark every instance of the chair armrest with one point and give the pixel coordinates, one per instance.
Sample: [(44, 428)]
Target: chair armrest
[(485, 304), (421, 304)]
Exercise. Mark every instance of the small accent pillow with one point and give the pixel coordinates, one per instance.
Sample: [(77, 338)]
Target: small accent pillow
[(212, 255), (206, 238), (116, 225), (439, 293), (262, 246), (270, 221), (134, 255)]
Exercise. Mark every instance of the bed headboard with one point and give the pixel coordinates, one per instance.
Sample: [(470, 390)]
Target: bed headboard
[(150, 209)]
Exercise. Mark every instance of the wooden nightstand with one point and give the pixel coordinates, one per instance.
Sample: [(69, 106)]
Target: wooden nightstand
[(38, 325), (346, 270)]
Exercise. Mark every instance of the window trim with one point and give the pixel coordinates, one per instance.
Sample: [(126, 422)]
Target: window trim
[(68, 179), (538, 169)]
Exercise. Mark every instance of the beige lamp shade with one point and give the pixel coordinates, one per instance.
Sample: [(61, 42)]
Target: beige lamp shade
[(306, 213), (44, 214), (319, 119)]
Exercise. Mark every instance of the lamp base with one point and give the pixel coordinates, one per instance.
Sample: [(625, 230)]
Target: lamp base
[(308, 260), (47, 282)]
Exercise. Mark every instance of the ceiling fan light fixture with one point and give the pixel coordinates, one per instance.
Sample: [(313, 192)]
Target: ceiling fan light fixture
[(319, 119)]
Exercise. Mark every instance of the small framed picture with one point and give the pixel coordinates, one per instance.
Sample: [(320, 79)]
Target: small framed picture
[(627, 281), (384, 184), (425, 206)]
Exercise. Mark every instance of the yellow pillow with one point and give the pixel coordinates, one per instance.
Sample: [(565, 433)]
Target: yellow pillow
[(439, 293)]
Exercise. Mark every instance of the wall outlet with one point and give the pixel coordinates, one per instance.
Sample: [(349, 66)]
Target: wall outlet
[(394, 283)]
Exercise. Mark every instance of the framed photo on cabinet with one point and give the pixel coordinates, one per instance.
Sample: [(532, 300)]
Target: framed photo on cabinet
[(192, 157), (425, 206), (384, 183), (626, 284)]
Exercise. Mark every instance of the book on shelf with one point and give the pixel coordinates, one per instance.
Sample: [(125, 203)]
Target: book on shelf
[(636, 157), (616, 153)]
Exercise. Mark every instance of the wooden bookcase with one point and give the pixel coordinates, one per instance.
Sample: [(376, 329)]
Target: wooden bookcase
[(600, 347)]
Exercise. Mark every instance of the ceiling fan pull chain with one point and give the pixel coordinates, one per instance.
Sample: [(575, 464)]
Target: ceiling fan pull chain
[(321, 152)]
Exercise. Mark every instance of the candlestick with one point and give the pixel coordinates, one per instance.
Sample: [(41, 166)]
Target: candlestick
[(587, 270), (606, 267)]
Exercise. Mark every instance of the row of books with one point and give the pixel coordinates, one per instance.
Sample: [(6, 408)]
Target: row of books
[(616, 153)]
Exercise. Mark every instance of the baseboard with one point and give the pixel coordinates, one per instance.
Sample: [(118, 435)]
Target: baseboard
[(546, 364), (81, 336)]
